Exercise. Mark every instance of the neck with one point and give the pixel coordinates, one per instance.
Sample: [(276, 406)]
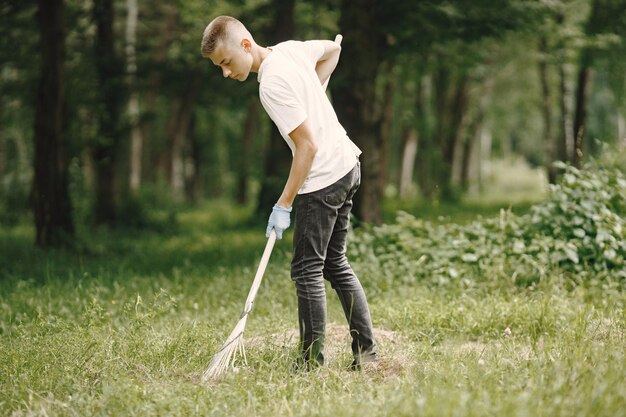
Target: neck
[(258, 55)]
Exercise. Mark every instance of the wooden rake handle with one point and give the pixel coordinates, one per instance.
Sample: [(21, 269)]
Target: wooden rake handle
[(259, 273)]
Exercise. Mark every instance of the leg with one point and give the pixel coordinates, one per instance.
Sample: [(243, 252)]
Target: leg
[(312, 232), (343, 279)]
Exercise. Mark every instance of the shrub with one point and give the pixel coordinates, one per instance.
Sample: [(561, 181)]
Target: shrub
[(583, 221), (579, 230)]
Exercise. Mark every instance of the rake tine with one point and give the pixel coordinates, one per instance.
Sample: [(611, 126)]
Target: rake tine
[(243, 353)]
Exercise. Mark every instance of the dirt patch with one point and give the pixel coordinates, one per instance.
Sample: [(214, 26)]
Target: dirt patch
[(393, 349)]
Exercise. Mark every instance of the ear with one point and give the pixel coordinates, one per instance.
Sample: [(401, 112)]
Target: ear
[(247, 45)]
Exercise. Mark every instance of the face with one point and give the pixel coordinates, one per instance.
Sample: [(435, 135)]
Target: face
[(234, 60)]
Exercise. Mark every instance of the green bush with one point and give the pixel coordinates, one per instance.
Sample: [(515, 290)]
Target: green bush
[(580, 230), (582, 224)]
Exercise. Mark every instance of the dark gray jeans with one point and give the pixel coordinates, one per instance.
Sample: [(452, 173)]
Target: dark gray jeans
[(321, 228)]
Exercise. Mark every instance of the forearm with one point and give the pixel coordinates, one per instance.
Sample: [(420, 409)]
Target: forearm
[(300, 167), (325, 68)]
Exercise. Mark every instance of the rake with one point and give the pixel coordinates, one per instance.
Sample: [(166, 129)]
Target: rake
[(226, 356)]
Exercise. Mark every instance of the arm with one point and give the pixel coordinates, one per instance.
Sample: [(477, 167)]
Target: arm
[(328, 61), (301, 165)]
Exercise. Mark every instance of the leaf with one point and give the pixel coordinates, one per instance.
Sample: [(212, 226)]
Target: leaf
[(588, 205), (603, 235), (519, 246), (610, 254), (469, 257), (569, 179), (571, 253)]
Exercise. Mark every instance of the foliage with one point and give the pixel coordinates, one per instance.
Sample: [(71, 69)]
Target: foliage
[(494, 44), (580, 230), (585, 218)]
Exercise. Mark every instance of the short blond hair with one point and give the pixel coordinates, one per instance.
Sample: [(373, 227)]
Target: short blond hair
[(220, 29)]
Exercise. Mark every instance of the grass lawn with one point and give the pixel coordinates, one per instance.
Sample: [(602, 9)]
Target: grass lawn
[(127, 326)]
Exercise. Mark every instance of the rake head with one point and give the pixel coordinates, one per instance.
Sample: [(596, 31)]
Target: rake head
[(225, 358)]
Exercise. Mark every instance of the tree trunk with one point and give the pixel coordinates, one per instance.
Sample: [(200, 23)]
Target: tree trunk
[(105, 153), (428, 161), (427, 155), (249, 133), (167, 14), (486, 141), (385, 125), (473, 173), (408, 162), (567, 130), (136, 143), (596, 24), (471, 145), (3, 146), (193, 171), (451, 105), (50, 196), (178, 128), (355, 99), (277, 156), (621, 129), (136, 137), (580, 117), (21, 150), (547, 110)]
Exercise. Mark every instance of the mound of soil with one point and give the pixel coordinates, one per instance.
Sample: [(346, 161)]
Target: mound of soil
[(392, 349)]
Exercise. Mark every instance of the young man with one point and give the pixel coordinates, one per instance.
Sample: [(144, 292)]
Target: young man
[(325, 174)]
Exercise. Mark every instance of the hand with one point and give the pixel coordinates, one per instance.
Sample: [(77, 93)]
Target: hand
[(279, 220)]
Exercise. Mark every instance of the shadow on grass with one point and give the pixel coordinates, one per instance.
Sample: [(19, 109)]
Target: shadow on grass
[(194, 241)]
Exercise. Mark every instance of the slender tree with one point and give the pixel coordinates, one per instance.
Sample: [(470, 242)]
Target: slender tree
[(177, 134), (136, 137), (3, 150), (164, 29), (243, 167), (105, 151), (51, 202), (546, 106), (580, 115), (606, 17)]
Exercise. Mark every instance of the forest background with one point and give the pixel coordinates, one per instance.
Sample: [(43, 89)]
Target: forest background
[(108, 110)]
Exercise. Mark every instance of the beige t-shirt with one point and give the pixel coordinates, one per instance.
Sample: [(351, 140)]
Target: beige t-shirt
[(291, 92)]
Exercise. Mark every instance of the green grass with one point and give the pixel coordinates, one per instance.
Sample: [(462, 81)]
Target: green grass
[(510, 184), (127, 325)]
